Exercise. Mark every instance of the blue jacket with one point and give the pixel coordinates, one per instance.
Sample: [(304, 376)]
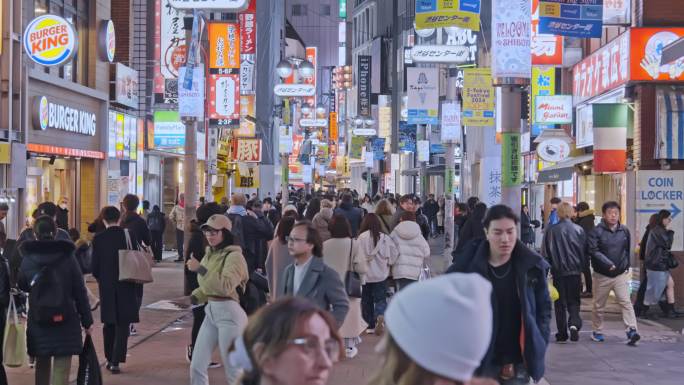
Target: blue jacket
[(535, 302)]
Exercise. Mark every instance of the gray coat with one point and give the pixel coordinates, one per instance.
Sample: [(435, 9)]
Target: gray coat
[(321, 285)]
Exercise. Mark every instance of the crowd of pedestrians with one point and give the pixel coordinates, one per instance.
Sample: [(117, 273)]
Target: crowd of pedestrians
[(286, 289)]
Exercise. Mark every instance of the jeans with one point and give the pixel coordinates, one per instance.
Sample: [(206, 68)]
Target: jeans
[(403, 282), (197, 320), (59, 370), (116, 342), (157, 244), (223, 322), (373, 301), (620, 286), (180, 237), (569, 288)]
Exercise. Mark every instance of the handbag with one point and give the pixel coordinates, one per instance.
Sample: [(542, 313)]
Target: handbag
[(672, 262), (134, 264), (425, 272), (89, 372), (14, 338), (352, 279)]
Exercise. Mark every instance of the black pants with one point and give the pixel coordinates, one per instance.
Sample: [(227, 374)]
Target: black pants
[(569, 290), (180, 237), (639, 306), (586, 271), (157, 244), (432, 222), (403, 282), (116, 342), (373, 301), (197, 319)]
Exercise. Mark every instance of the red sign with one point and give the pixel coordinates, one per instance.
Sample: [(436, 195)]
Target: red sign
[(546, 49), (224, 99), (602, 71), (247, 150), (312, 57), (646, 50), (64, 151), (247, 33)]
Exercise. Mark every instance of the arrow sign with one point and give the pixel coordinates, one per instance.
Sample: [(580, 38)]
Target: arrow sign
[(675, 211)]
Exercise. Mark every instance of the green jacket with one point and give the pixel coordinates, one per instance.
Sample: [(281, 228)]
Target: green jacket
[(221, 272)]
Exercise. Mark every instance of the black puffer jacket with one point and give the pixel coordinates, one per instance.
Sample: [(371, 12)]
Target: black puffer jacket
[(565, 247), (608, 248), (658, 248), (353, 214), (585, 220), (64, 339)]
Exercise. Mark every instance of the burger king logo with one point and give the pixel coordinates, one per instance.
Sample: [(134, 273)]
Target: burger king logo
[(43, 113), (50, 40)]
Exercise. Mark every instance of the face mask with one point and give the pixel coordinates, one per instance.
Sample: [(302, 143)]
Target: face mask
[(63, 206)]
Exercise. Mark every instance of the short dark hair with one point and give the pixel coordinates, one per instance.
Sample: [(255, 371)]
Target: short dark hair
[(205, 211), (74, 234), (462, 207), (312, 237), (555, 200), (497, 212), (4, 207), (346, 198), (472, 201), (339, 227), (610, 205), (582, 206), (131, 202), (46, 208), (662, 215), (45, 228), (405, 198), (408, 216), (146, 205), (110, 214), (284, 228)]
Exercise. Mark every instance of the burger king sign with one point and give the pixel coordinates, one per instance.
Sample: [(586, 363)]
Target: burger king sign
[(50, 40)]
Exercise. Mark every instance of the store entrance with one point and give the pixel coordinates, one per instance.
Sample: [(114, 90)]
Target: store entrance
[(52, 179)]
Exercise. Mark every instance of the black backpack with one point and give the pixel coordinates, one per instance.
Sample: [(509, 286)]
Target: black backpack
[(47, 299)]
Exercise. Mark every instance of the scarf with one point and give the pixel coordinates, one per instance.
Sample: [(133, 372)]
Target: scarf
[(239, 210)]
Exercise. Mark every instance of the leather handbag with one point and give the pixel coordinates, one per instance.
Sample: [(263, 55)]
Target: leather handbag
[(135, 265), (672, 262), (352, 279)]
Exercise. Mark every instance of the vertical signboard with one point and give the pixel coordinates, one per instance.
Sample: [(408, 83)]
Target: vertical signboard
[(451, 122), (191, 101), (312, 57), (511, 170), (364, 85), (172, 40), (224, 47), (478, 97), (247, 32), (546, 49), (423, 95), (224, 100), (543, 83), (610, 136), (511, 32)]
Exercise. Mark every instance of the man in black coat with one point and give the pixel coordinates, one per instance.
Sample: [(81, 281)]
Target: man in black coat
[(119, 301), (353, 214), (430, 209)]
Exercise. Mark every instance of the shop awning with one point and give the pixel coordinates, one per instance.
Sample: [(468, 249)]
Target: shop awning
[(562, 170), (670, 124)]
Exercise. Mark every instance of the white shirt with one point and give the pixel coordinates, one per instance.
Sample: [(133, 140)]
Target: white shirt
[(299, 273)]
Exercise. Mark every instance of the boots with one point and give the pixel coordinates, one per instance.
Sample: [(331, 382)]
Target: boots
[(671, 312)]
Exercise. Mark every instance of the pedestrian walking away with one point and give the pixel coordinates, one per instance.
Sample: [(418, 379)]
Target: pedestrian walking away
[(156, 222), (413, 251), (279, 256), (585, 219), (177, 216)]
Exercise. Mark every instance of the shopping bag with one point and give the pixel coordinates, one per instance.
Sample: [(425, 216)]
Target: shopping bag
[(89, 372), (14, 338), (553, 292), (135, 265), (425, 273)]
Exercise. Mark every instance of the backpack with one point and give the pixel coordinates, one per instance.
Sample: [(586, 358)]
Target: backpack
[(237, 229), (155, 222), (47, 299)]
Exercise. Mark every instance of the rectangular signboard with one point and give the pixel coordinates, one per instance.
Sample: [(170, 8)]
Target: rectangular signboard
[(478, 97), (423, 95), (574, 18), (661, 190), (224, 100), (364, 84), (224, 46), (448, 13), (511, 37), (553, 109)]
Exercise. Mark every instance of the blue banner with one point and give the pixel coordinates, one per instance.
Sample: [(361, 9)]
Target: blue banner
[(575, 18), (407, 137), (378, 148)]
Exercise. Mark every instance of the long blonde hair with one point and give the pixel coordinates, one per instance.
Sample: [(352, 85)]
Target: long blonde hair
[(399, 369)]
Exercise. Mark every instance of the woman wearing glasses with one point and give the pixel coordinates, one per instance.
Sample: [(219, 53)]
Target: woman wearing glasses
[(221, 273), (291, 342)]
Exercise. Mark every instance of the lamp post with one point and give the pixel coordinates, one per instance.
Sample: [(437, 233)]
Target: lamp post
[(342, 81)]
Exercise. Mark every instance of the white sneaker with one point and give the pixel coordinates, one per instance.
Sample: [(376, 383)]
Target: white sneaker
[(370, 331), (351, 352)]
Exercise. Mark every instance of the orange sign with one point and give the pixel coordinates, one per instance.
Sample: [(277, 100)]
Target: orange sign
[(224, 45), (546, 49), (646, 47), (247, 105), (247, 150), (64, 151), (333, 126)]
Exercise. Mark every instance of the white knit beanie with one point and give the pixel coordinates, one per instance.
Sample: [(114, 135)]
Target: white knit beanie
[(444, 324)]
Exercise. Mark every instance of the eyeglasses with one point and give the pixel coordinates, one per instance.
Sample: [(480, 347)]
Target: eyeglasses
[(210, 232), (290, 239), (311, 347)]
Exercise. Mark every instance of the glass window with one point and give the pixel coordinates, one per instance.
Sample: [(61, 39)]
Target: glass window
[(325, 10), (300, 9)]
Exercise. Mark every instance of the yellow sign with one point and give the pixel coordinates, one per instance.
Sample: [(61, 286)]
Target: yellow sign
[(478, 97), (246, 175), (447, 13), (385, 125), (543, 84), (5, 153)]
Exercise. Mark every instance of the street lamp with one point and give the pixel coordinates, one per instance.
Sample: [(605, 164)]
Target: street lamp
[(284, 69), (306, 69)]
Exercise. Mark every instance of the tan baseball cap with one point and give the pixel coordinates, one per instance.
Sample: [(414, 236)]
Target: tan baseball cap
[(218, 222)]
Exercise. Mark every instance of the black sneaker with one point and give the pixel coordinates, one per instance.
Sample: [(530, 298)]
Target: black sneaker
[(574, 334), (561, 339), (633, 337), (114, 369)]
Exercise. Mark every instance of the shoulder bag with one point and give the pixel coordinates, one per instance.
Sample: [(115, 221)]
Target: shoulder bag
[(14, 338), (672, 262), (352, 279), (134, 264)]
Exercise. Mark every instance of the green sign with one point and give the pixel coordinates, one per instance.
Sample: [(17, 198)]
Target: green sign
[(357, 143), (449, 181), (286, 172), (343, 9), (511, 170)]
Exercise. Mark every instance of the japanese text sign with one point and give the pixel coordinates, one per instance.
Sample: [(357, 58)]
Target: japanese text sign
[(224, 46), (478, 97), (224, 100), (511, 161), (605, 69), (546, 49), (247, 33), (448, 13), (543, 83), (575, 18), (247, 150)]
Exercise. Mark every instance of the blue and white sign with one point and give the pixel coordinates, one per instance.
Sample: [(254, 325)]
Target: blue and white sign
[(423, 95), (575, 18), (661, 190), (191, 101)]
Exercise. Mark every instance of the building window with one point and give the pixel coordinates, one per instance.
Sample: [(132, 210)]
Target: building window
[(325, 10), (300, 9), (75, 12)]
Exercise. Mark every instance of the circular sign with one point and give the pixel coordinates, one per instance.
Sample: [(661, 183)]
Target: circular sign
[(50, 40), (107, 40), (553, 150), (43, 113)]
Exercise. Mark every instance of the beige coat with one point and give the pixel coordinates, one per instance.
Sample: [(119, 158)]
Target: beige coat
[(336, 253), (321, 221)]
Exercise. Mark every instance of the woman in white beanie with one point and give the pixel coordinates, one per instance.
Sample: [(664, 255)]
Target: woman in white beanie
[(441, 354)]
